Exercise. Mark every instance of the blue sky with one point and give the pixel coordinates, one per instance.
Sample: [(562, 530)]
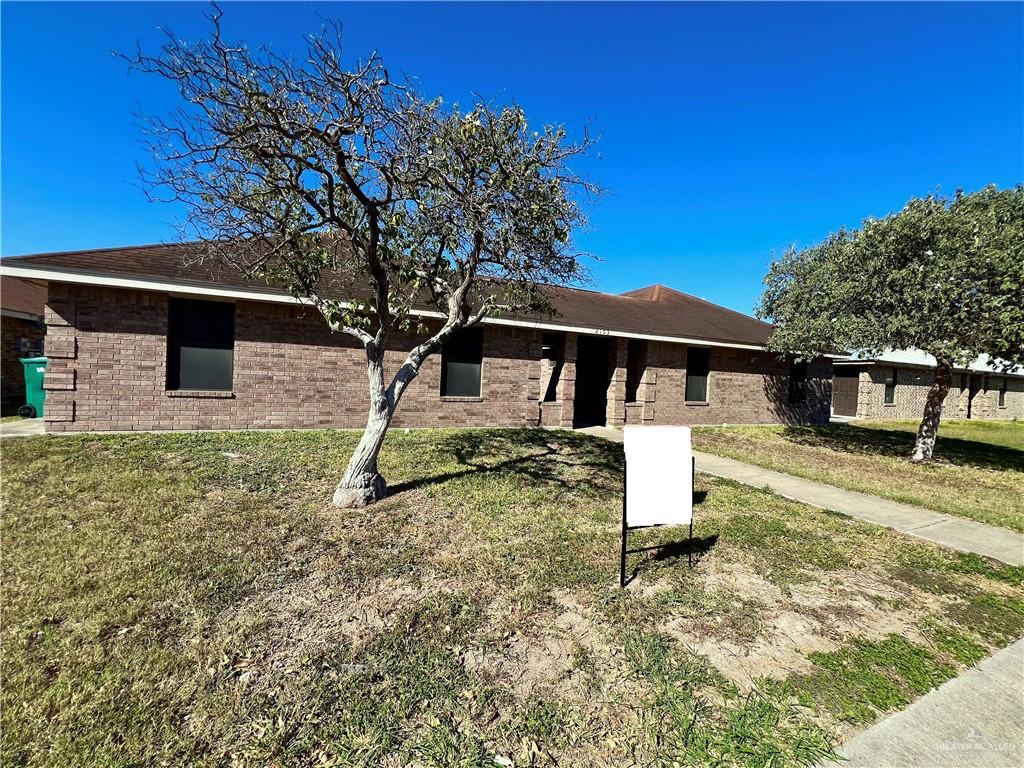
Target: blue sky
[(729, 131)]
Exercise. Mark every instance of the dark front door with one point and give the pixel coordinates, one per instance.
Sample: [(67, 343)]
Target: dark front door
[(845, 382), (593, 375)]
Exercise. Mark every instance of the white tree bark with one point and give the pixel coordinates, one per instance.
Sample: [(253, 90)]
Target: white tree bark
[(928, 431), (362, 483)]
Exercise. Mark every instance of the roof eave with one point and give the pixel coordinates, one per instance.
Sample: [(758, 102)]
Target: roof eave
[(181, 287)]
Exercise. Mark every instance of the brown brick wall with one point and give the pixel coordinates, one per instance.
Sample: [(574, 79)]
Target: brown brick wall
[(744, 387), (109, 355), (12, 374), (912, 385), (108, 350)]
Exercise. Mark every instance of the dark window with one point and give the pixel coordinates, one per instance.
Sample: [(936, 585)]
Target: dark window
[(200, 344), (797, 382), (636, 363), (1002, 392), (552, 346), (890, 387), (698, 366), (461, 360)]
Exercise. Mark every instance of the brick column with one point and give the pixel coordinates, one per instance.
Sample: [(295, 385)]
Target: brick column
[(648, 392), (535, 384), (567, 384), (616, 413), (61, 351)]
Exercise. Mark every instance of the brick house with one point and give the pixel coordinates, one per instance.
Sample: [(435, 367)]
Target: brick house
[(147, 338), (895, 385), (21, 335)]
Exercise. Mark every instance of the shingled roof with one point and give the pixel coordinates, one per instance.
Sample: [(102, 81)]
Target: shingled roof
[(22, 296), (654, 311)]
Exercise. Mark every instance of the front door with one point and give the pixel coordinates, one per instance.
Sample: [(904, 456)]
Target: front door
[(845, 383), (593, 376)]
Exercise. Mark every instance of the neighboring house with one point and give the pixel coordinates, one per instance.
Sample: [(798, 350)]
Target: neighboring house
[(894, 386), (147, 338), (21, 335)]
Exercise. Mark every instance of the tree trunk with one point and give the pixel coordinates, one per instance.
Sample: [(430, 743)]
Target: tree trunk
[(924, 446), (362, 484)]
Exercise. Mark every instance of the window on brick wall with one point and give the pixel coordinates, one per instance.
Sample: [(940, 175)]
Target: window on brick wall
[(636, 363), (1002, 392), (461, 360), (890, 387), (797, 382), (552, 346), (200, 344), (698, 368)]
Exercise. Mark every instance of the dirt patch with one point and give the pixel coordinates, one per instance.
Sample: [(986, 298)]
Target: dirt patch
[(306, 620), (814, 616), (547, 660)]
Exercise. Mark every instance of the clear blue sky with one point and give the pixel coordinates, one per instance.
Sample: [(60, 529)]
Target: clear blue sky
[(729, 131)]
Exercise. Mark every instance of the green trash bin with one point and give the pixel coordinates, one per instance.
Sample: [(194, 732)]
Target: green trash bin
[(35, 395)]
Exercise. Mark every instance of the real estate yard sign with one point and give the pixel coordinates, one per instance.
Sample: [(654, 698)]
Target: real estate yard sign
[(659, 481)]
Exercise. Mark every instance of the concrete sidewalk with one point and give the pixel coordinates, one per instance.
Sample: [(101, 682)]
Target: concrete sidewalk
[(22, 428), (973, 721), (955, 532)]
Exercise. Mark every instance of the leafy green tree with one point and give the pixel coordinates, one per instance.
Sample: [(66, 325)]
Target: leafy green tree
[(943, 276), (365, 200)]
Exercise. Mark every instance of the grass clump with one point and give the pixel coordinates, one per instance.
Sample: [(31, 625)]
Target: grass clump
[(868, 677), (702, 719), (958, 644), (997, 618)]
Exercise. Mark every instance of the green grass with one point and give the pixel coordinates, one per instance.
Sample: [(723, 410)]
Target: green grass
[(1005, 433), (194, 599), (866, 677), (978, 470), (9, 419)]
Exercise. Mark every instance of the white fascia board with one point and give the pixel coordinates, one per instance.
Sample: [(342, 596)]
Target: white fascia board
[(876, 362), (110, 281), (277, 297)]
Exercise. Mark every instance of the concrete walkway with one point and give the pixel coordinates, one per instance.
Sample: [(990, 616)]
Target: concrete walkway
[(21, 428), (955, 532), (973, 721)]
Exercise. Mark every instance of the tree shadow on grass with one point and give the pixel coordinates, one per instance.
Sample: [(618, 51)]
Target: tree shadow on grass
[(565, 460), (866, 441)]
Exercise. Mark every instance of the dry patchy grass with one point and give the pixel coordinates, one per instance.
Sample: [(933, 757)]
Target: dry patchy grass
[(978, 470), (194, 599)]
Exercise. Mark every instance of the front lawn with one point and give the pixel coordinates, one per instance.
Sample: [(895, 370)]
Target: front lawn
[(194, 599), (978, 471)]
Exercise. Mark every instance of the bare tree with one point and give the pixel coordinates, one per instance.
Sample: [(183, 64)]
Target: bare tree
[(299, 172)]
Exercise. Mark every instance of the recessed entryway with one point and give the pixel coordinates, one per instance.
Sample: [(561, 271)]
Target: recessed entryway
[(593, 376)]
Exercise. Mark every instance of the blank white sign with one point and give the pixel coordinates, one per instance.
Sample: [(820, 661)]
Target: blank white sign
[(659, 476)]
